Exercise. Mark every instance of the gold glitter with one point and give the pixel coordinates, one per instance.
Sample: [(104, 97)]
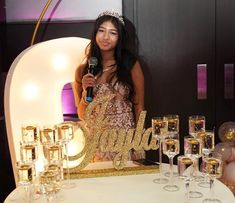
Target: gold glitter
[(113, 172), (119, 141)]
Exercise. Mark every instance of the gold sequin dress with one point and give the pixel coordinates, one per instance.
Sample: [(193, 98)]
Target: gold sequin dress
[(119, 113)]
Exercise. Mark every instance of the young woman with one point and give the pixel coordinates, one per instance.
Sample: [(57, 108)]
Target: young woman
[(118, 72)]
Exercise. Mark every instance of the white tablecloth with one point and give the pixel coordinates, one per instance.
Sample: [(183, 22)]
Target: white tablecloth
[(127, 189)]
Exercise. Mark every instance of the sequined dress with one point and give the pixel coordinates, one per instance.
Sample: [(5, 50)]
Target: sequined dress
[(119, 113)]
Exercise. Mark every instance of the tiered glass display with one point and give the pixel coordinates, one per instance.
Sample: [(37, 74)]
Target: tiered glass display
[(44, 177)]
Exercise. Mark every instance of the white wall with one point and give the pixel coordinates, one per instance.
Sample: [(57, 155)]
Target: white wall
[(29, 10)]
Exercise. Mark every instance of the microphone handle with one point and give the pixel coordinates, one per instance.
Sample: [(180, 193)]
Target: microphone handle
[(89, 90)]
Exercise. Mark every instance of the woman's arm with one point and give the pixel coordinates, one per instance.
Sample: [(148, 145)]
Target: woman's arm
[(138, 81), (82, 81), (80, 94)]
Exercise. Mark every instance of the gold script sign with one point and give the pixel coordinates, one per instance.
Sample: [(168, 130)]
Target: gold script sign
[(119, 141)]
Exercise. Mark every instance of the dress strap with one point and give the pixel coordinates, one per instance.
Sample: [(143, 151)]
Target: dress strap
[(114, 81)]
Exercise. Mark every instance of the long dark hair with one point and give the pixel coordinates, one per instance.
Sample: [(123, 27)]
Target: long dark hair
[(126, 51)]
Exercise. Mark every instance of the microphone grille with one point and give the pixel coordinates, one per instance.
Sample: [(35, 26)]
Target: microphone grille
[(92, 61)]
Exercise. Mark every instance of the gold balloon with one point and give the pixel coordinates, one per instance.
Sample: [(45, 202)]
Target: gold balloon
[(227, 132), (230, 135)]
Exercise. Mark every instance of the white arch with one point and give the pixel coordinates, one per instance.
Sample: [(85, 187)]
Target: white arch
[(34, 84)]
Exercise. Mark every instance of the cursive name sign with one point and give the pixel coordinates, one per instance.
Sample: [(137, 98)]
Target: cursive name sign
[(119, 141)]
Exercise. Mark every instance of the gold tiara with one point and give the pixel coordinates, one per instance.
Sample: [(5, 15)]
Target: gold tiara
[(112, 13)]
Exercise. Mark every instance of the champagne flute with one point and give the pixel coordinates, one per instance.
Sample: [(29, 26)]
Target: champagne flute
[(171, 148), (213, 168), (196, 124), (208, 144), (173, 127), (186, 166), (65, 130), (159, 130), (192, 147)]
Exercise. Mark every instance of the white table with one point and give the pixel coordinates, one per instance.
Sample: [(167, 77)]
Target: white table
[(128, 189)]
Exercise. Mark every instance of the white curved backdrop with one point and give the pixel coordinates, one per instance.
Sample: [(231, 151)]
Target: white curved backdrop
[(34, 85)]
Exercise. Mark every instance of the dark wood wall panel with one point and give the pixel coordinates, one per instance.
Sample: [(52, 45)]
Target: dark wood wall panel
[(175, 36), (225, 54)]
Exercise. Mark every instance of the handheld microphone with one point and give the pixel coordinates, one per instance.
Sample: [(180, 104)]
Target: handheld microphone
[(92, 62)]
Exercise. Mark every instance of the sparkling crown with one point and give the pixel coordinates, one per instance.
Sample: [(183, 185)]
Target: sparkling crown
[(112, 13)]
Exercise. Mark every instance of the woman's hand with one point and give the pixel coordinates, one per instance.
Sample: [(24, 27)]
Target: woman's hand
[(88, 80)]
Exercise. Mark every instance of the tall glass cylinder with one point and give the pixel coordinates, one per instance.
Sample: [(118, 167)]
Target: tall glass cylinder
[(213, 168), (173, 127), (193, 148), (208, 141), (28, 152), (30, 133), (186, 166), (171, 147), (208, 144), (25, 177), (196, 124), (49, 134), (49, 184), (173, 123), (159, 130), (66, 133)]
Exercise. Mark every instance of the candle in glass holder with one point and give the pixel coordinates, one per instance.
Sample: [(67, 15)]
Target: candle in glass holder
[(28, 152), (159, 126), (192, 146), (183, 163), (24, 173), (207, 140), (196, 124), (173, 123), (48, 135), (54, 152), (29, 133), (65, 131), (48, 180), (56, 167)]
